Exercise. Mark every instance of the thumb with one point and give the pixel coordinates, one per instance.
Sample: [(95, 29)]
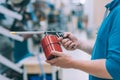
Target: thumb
[(56, 53), (68, 35), (60, 39)]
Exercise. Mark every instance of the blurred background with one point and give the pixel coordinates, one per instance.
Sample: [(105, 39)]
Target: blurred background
[(21, 56)]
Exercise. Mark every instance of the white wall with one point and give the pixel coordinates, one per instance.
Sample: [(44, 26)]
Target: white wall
[(99, 9), (88, 9)]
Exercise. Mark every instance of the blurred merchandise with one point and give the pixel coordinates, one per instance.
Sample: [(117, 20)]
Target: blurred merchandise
[(24, 24)]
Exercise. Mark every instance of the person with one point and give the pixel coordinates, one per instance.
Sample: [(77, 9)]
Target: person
[(105, 62)]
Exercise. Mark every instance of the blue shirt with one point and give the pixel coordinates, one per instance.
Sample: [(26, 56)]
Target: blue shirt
[(21, 51), (107, 44)]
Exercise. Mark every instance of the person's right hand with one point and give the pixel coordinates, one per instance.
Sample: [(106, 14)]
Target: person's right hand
[(69, 41)]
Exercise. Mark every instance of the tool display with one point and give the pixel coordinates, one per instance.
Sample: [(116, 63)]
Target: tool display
[(12, 70), (3, 78), (10, 13)]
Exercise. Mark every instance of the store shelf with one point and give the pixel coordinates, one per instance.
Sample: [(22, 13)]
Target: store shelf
[(3, 78), (10, 65)]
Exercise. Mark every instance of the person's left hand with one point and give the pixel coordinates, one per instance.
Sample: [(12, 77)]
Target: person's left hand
[(62, 60)]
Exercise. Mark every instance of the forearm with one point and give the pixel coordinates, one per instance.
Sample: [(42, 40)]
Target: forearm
[(93, 67), (86, 46)]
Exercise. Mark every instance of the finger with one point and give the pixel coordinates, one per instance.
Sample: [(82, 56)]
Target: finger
[(65, 40), (56, 53), (60, 39), (67, 44), (53, 61), (67, 34), (72, 46)]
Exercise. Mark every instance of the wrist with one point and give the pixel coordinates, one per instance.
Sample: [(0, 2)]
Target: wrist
[(79, 45), (74, 64)]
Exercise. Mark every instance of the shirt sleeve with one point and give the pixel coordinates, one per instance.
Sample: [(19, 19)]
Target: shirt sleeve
[(113, 55)]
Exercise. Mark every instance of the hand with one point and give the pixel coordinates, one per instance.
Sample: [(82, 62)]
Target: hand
[(69, 41), (62, 60)]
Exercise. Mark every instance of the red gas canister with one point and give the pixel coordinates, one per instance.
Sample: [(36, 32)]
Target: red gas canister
[(50, 43)]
